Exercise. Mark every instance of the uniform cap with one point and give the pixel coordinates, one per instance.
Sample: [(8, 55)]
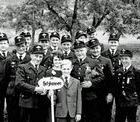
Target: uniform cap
[(79, 34), (55, 34), (126, 53), (93, 43), (43, 37), (37, 49), (79, 44), (19, 40), (66, 38)]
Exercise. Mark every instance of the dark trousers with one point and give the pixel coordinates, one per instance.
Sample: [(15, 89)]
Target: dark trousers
[(91, 112), (33, 115), (13, 108), (2, 97), (125, 112), (105, 110)]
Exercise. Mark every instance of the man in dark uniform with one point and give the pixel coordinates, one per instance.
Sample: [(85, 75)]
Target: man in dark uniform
[(4, 44), (43, 40), (12, 98), (28, 39), (127, 89), (81, 36), (113, 52), (33, 99), (90, 75), (54, 42), (4, 53), (66, 44), (105, 92)]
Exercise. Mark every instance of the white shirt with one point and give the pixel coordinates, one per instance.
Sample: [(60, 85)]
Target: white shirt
[(3, 52), (23, 55), (68, 52), (68, 78), (114, 51), (126, 68), (34, 65)]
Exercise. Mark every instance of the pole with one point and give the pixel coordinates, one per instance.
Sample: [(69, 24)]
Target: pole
[(52, 105)]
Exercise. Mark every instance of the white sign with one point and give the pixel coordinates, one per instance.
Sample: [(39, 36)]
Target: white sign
[(51, 83)]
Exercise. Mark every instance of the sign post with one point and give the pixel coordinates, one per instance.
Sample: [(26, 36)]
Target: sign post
[(51, 83)]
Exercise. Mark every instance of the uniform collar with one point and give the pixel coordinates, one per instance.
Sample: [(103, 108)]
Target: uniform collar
[(6, 53), (23, 55), (127, 68), (68, 52)]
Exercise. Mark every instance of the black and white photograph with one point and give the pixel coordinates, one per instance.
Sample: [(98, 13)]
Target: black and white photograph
[(69, 60)]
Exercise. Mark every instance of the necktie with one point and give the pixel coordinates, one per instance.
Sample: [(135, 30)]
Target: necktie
[(36, 67), (80, 61), (66, 81), (112, 52), (4, 55), (20, 57), (66, 53)]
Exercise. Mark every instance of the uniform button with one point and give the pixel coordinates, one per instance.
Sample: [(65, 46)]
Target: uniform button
[(123, 77), (123, 82), (122, 87)]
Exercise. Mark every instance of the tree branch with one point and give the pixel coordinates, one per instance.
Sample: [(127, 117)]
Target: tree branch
[(74, 13), (59, 17), (101, 19)]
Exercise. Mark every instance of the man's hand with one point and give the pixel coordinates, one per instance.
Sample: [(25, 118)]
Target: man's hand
[(86, 84), (39, 90), (94, 72), (109, 98), (78, 117)]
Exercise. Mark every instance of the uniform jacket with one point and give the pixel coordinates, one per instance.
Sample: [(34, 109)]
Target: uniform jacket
[(79, 72), (127, 87), (4, 72), (68, 99), (71, 56), (107, 83), (13, 63), (115, 59), (27, 78)]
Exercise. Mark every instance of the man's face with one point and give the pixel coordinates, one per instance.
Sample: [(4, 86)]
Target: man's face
[(28, 41), (81, 53), (21, 48), (96, 51), (57, 61), (55, 42), (44, 44), (82, 39), (66, 46), (36, 58), (126, 61), (113, 44), (4, 45), (66, 69)]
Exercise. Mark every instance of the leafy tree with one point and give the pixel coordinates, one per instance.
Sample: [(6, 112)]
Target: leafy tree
[(72, 15)]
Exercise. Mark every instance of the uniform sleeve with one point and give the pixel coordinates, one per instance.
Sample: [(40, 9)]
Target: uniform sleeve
[(138, 83), (109, 77), (79, 99), (21, 81)]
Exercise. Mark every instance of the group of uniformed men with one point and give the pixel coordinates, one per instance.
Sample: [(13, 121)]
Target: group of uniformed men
[(104, 75)]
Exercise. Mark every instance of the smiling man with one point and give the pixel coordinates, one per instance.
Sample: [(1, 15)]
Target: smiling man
[(90, 75), (105, 92), (33, 101), (127, 88), (113, 52)]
